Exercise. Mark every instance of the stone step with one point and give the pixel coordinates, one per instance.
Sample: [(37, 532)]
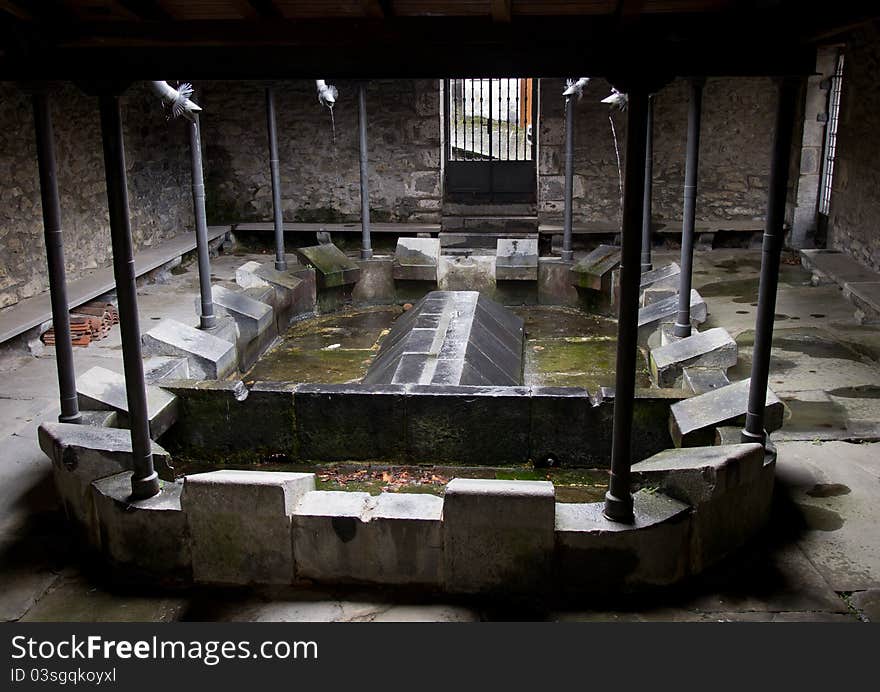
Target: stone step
[(652, 316), (516, 259), (158, 368), (702, 380), (255, 321), (100, 389), (291, 294), (480, 239), (209, 357), (666, 276), (416, 259), (714, 348), (596, 270), (333, 267), (692, 422)]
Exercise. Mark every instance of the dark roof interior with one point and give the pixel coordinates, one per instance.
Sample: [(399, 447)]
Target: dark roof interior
[(200, 39)]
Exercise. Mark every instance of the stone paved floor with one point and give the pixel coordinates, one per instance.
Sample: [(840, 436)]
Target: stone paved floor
[(818, 560)]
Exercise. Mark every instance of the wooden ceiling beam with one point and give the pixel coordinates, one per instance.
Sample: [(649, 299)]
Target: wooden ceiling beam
[(15, 10)]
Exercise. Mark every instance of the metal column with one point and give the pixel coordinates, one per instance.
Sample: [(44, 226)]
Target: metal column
[(280, 260), (366, 248), (772, 247), (618, 499), (144, 480), (682, 327), (567, 252), (646, 204), (206, 319), (55, 258)]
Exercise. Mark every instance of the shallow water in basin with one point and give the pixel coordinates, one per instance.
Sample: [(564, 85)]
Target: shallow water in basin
[(564, 347)]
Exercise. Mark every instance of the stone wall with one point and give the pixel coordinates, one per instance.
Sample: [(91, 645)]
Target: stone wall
[(158, 178), (737, 129), (320, 176), (855, 196)]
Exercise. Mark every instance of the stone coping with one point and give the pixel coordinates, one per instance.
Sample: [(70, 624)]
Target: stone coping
[(484, 536), (475, 425)]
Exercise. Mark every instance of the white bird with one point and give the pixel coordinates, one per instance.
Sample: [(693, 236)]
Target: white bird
[(576, 87), (616, 98), (327, 93), (177, 99)]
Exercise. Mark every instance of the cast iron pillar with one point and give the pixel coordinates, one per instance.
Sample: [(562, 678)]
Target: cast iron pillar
[(366, 247), (144, 480), (646, 204), (772, 247), (682, 327), (618, 499), (55, 257), (280, 259), (567, 252), (206, 319)]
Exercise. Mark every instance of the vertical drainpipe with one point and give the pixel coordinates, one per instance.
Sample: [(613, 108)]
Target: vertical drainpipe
[(55, 256), (682, 326), (567, 252), (366, 248), (207, 318), (649, 169), (772, 247), (280, 260), (618, 499), (144, 480)]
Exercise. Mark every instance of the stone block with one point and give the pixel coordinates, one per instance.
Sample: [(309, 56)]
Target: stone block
[(332, 266), (596, 555), (554, 283), (395, 538), (146, 540), (654, 315), (209, 357), (255, 321), (713, 348), (376, 285), (306, 298), (468, 425), (516, 260), (698, 474), (693, 421), (350, 422), (416, 259), (292, 293), (103, 389), (160, 368), (666, 276), (498, 536), (702, 380), (562, 429), (81, 454), (652, 295), (240, 524), (595, 270)]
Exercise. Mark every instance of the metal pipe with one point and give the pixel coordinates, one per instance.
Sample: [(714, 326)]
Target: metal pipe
[(649, 170), (682, 326), (366, 249), (207, 318), (55, 258), (618, 499), (144, 480), (567, 252), (772, 247), (280, 259)]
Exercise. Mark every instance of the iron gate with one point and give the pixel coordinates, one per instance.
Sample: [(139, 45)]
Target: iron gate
[(491, 132)]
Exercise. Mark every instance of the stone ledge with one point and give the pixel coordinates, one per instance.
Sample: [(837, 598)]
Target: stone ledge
[(240, 525), (389, 539), (594, 554), (147, 540)]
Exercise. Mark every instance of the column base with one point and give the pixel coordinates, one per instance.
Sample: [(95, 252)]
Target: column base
[(144, 488), (618, 509)]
